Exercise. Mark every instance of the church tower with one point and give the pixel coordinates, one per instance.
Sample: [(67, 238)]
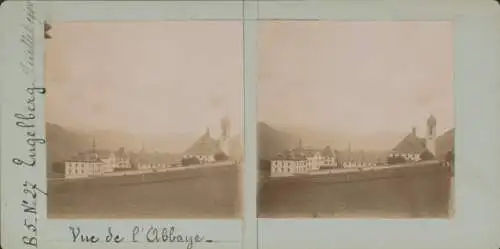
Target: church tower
[(430, 138), (225, 126)]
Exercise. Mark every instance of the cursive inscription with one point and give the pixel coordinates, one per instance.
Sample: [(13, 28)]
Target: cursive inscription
[(28, 204), (139, 234), (28, 39), (26, 120)]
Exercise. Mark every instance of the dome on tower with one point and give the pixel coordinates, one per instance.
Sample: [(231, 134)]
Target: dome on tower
[(431, 121), (225, 126)]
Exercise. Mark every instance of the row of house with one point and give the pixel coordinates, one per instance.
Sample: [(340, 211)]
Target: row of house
[(301, 160), (97, 163)]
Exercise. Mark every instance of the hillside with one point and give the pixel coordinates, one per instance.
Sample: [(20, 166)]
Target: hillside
[(445, 143), (340, 140), (63, 144), (271, 141)]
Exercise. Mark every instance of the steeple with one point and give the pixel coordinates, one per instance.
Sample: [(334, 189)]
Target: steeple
[(94, 155), (349, 152), (93, 146), (300, 143), (431, 121), (207, 131), (430, 138), (225, 126)]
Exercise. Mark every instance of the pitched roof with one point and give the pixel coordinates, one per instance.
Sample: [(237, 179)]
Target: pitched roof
[(309, 152), (361, 156), (205, 145), (102, 154), (152, 158), (86, 157), (301, 153), (291, 156), (411, 144), (120, 153)]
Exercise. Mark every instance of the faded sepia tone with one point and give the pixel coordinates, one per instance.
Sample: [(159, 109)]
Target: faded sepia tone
[(355, 119), (144, 119)]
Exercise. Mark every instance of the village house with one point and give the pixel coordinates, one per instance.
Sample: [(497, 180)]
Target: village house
[(412, 146), (153, 161), (288, 164), (301, 160), (83, 165), (115, 160), (359, 158), (206, 148), (96, 163)]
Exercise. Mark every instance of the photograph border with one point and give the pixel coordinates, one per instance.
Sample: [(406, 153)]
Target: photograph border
[(55, 233), (473, 224)]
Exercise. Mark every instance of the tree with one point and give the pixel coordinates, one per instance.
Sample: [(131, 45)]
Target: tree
[(395, 160), (190, 161), (426, 155), (58, 167), (450, 157), (220, 156)]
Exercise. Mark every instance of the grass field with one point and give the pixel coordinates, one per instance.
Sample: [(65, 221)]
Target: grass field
[(416, 192), (195, 193)]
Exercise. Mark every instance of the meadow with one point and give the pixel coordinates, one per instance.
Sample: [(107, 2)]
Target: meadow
[(414, 192), (212, 192)]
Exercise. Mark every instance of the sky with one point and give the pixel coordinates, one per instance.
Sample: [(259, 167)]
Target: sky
[(356, 77), (145, 77)]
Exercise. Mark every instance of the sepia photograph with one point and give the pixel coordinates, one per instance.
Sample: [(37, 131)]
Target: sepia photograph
[(144, 119), (356, 119)]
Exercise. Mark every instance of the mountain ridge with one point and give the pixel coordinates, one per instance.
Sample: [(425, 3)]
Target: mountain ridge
[(64, 143)]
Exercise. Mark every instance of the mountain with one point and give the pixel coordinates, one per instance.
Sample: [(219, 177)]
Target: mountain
[(445, 143), (271, 141), (372, 147), (340, 141), (63, 144)]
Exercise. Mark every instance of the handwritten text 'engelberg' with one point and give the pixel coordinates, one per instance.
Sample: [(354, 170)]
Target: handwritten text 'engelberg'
[(26, 120)]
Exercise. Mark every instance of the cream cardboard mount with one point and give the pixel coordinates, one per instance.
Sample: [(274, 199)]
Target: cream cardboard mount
[(122, 124)]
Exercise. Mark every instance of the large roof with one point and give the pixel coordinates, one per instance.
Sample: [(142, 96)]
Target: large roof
[(86, 157), (205, 145), (414, 144), (410, 144), (301, 153)]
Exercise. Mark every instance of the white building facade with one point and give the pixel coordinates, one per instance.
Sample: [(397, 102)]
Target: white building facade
[(302, 161), (91, 164), (83, 168)]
